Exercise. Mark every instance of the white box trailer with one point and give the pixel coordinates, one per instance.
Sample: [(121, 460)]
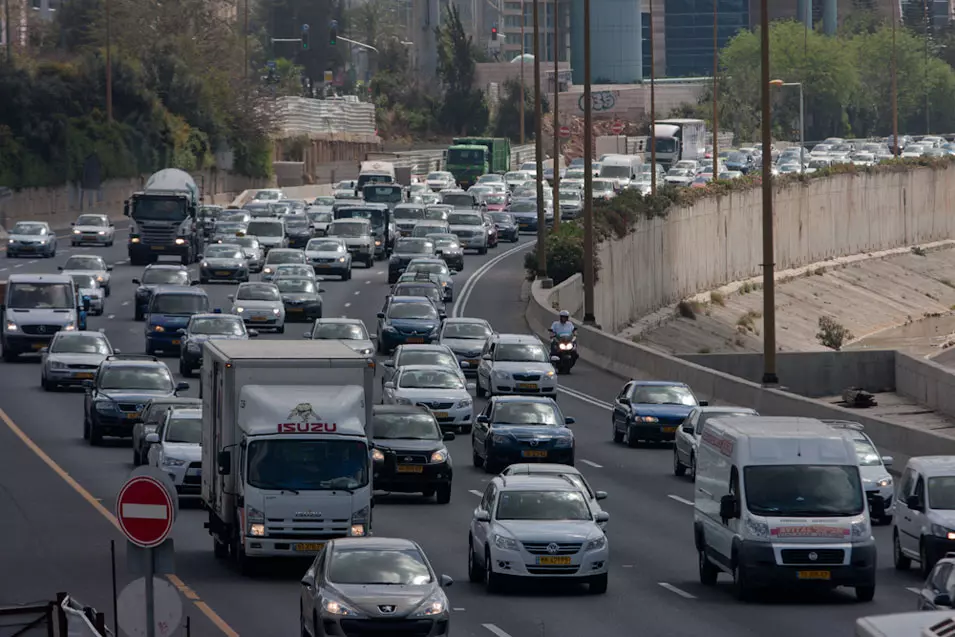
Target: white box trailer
[(286, 463)]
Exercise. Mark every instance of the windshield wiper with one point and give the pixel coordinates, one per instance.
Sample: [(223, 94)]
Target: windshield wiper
[(277, 487)]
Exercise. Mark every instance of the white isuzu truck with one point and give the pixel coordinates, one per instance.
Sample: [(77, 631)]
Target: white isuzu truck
[(286, 463)]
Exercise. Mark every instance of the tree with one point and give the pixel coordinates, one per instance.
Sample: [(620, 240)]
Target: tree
[(507, 121), (465, 109)]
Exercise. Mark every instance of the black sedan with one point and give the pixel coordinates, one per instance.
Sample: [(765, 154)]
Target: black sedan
[(301, 297), (409, 452)]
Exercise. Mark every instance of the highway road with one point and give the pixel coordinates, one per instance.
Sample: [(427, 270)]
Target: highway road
[(57, 494)]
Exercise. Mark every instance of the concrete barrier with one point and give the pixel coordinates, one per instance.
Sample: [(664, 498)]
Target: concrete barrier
[(925, 382)]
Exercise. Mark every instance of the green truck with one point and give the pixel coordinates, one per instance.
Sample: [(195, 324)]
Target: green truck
[(471, 157)]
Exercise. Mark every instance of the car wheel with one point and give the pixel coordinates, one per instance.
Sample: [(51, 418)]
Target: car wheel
[(475, 570), (617, 434), (693, 466), (137, 456), (925, 562), (476, 459), (631, 442), (444, 493), (679, 469), (901, 560), (886, 519), (491, 579), (865, 593), (86, 429), (280, 329), (482, 250), (489, 465), (184, 369), (741, 588), (46, 385), (96, 438), (10, 356), (598, 585), (347, 275), (478, 390), (219, 549)]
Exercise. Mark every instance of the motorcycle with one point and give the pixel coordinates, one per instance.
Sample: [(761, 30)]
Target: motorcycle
[(564, 348)]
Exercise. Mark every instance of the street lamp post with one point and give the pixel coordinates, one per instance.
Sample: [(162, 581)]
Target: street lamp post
[(716, 69), (589, 318), (769, 283), (538, 147), (802, 121), (895, 93), (557, 153), (523, 51), (653, 111)]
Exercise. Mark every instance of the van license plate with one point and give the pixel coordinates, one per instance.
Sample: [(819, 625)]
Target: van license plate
[(553, 560), (817, 575), (310, 546), (410, 468)]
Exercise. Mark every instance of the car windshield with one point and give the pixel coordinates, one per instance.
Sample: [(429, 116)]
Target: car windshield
[(426, 357), (319, 217), (436, 214), (542, 505), (46, 296), (414, 246), (165, 277), (179, 304), (257, 292), (294, 269), (378, 567), (84, 263), (866, 453), (569, 195), (230, 326), (296, 221), (804, 490), (524, 206), (603, 186), (502, 217), (418, 290), (339, 331), (262, 228), (529, 413), (80, 343), (84, 281), (614, 171), (184, 430), (424, 229), (136, 378), (464, 219), (324, 245), (495, 199), (429, 268), (92, 220), (348, 229), (277, 257), (296, 286), (223, 251), (941, 493), (521, 352), (436, 176), (230, 227), (663, 395), (308, 465), (478, 331), (409, 213), (421, 311), (445, 243), (29, 229), (430, 379)]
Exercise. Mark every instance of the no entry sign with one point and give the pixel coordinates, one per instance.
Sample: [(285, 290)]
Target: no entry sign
[(617, 128), (564, 131), (145, 511)]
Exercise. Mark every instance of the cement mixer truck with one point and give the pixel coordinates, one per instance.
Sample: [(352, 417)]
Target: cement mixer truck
[(163, 219)]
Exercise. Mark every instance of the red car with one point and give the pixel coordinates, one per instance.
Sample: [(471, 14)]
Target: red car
[(492, 238), (495, 203)]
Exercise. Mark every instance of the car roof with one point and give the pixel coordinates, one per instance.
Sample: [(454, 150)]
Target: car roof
[(399, 409), (658, 383), (256, 284), (215, 315), (933, 465), (180, 290), (532, 468), (167, 266), (726, 409), (424, 368), (375, 542), (349, 321), (186, 412), (423, 347), (518, 338), (40, 278), (425, 259), (523, 399), (410, 299), (466, 319), (125, 362), (280, 250), (415, 282), (535, 483)]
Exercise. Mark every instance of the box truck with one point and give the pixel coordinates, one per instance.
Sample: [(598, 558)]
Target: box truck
[(286, 464)]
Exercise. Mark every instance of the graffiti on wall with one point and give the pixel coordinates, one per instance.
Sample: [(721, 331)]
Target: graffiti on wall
[(601, 101)]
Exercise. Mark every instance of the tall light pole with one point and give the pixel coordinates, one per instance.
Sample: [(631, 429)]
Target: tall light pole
[(925, 65), (245, 38), (769, 287), (653, 110), (557, 153), (716, 69), (802, 120), (538, 148), (109, 66), (589, 318), (895, 88), (523, 51), (6, 26)]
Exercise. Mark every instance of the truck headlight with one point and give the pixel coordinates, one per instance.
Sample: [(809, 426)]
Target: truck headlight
[(255, 520), (180, 241)]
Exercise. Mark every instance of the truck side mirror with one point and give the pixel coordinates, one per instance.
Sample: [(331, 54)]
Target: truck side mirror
[(126, 208), (224, 462), (728, 507)]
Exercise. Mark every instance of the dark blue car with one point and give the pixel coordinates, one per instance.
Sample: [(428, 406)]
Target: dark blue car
[(651, 411), (514, 429), (157, 275), (407, 320), (170, 309)]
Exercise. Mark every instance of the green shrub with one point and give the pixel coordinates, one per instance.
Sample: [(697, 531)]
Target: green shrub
[(565, 254)]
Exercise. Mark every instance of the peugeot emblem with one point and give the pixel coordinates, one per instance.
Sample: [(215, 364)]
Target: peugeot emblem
[(386, 609), (813, 556), (552, 548), (41, 329)]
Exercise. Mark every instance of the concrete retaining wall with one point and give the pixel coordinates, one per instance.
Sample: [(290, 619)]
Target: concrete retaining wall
[(717, 241), (926, 382)]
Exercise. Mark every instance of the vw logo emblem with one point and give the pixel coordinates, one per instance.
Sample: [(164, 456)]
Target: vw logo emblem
[(41, 329), (813, 556), (387, 609), (533, 443), (552, 548)]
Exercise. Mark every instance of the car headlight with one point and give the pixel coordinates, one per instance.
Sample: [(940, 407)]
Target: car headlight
[(436, 604), (69, 327), (506, 543), (941, 531), (367, 351), (377, 455), (193, 346), (861, 530), (131, 240), (276, 311), (465, 402), (439, 456), (377, 243), (645, 419), (549, 374), (172, 462), (12, 327), (402, 401), (157, 328), (885, 482), (499, 439), (597, 543), (389, 328), (335, 607), (58, 365), (564, 441), (204, 264), (757, 529), (254, 516), (100, 278), (11, 241), (267, 270), (101, 232), (501, 374), (444, 284), (180, 241), (74, 232), (105, 406), (341, 259)]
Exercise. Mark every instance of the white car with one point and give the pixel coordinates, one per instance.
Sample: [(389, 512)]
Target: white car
[(516, 364), (175, 449), (294, 270), (73, 358), (552, 469), (278, 256), (92, 228), (466, 337), (260, 305), (351, 331), (419, 354), (873, 467), (436, 387), (440, 180), (537, 527), (88, 286), (329, 255), (89, 264), (319, 217), (269, 194), (686, 440)]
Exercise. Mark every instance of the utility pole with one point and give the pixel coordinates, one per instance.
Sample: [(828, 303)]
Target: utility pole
[(716, 111), (653, 111), (895, 88), (245, 34), (6, 26), (769, 284), (925, 64), (557, 153), (109, 66), (589, 318), (538, 143), (523, 51)]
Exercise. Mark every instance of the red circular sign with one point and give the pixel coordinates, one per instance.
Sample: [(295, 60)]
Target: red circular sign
[(145, 511), (617, 128), (564, 131)]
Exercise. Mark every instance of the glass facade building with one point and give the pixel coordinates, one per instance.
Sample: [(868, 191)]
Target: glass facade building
[(689, 33), (616, 56)]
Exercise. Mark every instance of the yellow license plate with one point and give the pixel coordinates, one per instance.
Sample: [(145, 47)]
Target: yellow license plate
[(323, 265), (38, 345), (159, 248), (416, 340), (259, 318), (818, 575), (293, 310), (527, 385), (131, 415), (175, 342), (534, 454), (554, 560), (440, 414), (668, 430), (84, 375), (222, 273), (309, 546), (410, 468)]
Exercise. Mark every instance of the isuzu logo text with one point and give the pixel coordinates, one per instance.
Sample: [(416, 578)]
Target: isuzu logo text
[(307, 427)]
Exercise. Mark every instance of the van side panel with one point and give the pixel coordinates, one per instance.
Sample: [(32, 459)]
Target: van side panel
[(712, 483)]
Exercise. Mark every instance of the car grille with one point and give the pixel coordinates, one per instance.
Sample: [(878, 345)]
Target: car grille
[(670, 420), (464, 233), (803, 556), (82, 366), (409, 458), (292, 529), (323, 260), (563, 548), (523, 377), (41, 330), (421, 331), (130, 407), (436, 405), (193, 479), (405, 627), (552, 570)]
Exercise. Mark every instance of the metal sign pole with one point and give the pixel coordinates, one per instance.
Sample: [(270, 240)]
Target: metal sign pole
[(150, 597)]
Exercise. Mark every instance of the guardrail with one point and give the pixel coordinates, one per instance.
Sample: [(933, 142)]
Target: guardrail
[(64, 617), (307, 116)]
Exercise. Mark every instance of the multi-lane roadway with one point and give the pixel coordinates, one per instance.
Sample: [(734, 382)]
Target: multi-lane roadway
[(57, 494)]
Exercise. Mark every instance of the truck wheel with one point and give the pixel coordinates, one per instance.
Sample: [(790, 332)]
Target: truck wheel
[(219, 549)]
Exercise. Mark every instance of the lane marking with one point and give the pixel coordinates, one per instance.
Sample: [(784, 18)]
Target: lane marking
[(592, 463), (204, 608), (494, 630), (587, 398), (348, 305), (912, 589), (459, 610), (368, 282), (357, 292), (3, 269), (681, 500), (465, 294), (476, 492), (674, 589), (111, 316), (19, 265), (626, 566), (380, 272), (31, 262), (125, 303)]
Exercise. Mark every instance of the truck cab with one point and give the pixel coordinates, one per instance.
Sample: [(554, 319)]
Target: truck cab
[(35, 307), (163, 219)]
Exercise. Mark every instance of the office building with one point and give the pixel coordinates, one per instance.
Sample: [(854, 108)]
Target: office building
[(688, 29), (549, 11), (615, 54)]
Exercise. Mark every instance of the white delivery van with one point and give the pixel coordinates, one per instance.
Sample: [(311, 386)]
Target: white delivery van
[(286, 464), (779, 502), (621, 169)]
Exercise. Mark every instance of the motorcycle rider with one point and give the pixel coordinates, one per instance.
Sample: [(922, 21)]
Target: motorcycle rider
[(562, 327)]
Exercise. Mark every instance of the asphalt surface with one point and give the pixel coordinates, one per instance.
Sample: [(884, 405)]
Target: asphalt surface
[(56, 493)]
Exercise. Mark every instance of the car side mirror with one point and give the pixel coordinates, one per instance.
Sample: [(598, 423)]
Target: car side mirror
[(231, 297), (555, 359), (72, 223), (913, 503), (569, 421), (887, 460), (942, 599), (447, 436), (60, 268), (126, 208), (181, 330), (136, 281), (109, 268), (486, 357), (603, 516), (389, 363), (321, 290), (480, 515), (182, 386), (199, 256), (224, 462), (454, 272), (389, 385), (704, 403), (483, 419), (252, 333), (152, 439), (600, 495), (381, 315), (446, 581), (728, 507)]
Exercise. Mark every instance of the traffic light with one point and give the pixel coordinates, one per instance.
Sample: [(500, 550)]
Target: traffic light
[(305, 36), (494, 33), (333, 32)]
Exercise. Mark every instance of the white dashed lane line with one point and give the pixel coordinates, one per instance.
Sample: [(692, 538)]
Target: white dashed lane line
[(357, 292), (476, 492), (348, 305), (680, 500), (125, 303), (494, 630), (592, 463), (674, 589)]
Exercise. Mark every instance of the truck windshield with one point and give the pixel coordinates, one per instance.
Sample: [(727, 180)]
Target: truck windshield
[(666, 145), (312, 465), (374, 179), (458, 200), (804, 490), (159, 208), (45, 296), (614, 171), (466, 156)]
